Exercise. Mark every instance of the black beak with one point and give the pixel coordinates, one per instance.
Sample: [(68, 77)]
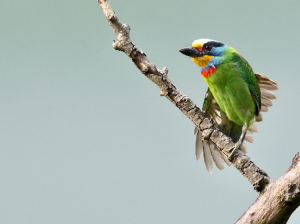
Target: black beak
[(191, 51)]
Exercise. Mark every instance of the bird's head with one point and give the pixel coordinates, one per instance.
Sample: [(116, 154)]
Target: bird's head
[(205, 52)]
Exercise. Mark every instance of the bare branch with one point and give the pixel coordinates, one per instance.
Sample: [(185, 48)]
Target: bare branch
[(258, 178), (278, 199)]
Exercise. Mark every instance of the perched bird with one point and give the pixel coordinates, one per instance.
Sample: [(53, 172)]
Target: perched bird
[(234, 99)]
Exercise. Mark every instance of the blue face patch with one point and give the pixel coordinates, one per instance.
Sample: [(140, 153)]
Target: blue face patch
[(213, 48), (217, 59), (216, 51)]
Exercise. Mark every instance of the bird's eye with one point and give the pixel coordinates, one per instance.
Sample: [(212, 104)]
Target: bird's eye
[(208, 48)]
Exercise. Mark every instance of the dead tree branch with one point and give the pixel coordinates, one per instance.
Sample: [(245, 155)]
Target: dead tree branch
[(256, 176), (278, 200)]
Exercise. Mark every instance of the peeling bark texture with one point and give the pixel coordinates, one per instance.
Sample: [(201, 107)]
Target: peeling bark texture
[(279, 198)]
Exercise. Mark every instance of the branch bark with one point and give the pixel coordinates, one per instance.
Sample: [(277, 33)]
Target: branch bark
[(278, 200), (287, 186)]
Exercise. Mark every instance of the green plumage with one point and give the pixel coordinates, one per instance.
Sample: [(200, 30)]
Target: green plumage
[(235, 98), (235, 89)]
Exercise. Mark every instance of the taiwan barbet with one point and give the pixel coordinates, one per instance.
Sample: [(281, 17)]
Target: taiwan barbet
[(235, 98)]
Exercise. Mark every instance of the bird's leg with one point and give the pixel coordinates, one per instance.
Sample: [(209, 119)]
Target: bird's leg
[(238, 143)]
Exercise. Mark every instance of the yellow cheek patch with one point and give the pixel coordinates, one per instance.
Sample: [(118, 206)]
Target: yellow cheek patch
[(202, 61)]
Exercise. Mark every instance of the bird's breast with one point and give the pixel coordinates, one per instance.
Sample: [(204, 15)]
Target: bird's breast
[(209, 71), (233, 96)]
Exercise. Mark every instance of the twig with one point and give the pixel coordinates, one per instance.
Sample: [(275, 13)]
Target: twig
[(254, 174), (277, 199)]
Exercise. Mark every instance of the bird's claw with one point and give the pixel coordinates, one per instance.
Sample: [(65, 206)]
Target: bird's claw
[(234, 149), (238, 144)]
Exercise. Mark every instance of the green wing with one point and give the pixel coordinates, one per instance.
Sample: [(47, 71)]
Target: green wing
[(249, 77), (220, 120), (210, 105), (229, 128), (213, 111)]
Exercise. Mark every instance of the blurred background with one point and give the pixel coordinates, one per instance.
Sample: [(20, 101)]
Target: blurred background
[(86, 138)]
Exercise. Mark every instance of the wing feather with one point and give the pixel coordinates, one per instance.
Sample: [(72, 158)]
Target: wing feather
[(253, 128), (199, 145), (266, 102), (249, 138), (212, 110), (244, 148), (267, 94), (216, 156), (207, 156)]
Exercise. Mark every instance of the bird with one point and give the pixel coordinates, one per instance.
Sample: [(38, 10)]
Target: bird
[(234, 100)]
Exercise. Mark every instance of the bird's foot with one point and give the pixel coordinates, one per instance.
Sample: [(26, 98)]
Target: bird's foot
[(234, 149), (238, 144)]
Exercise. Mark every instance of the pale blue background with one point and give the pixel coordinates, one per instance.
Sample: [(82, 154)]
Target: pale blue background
[(86, 138)]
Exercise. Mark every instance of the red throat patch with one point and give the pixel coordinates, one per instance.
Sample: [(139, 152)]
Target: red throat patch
[(208, 72)]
